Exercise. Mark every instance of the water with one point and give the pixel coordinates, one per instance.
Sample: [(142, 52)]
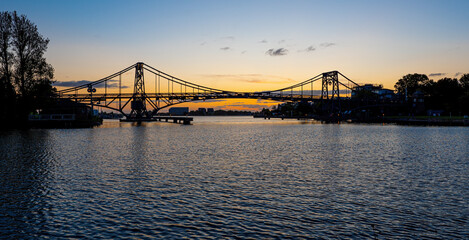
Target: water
[(235, 177)]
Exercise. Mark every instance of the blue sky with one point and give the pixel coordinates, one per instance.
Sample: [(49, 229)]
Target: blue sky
[(225, 44)]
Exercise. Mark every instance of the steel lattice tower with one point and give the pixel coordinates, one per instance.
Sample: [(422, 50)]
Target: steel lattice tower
[(331, 78), (138, 105)]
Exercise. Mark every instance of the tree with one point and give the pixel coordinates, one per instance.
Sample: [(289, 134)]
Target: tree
[(464, 99), (464, 81), (449, 92), (26, 77), (410, 83), (7, 92), (6, 57), (29, 47)]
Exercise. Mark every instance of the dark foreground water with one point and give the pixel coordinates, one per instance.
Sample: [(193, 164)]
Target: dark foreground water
[(235, 178)]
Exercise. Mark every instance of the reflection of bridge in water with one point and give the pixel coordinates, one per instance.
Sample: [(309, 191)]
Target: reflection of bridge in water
[(170, 90)]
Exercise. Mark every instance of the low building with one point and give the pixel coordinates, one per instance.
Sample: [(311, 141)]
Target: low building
[(64, 113), (202, 111), (378, 90), (178, 111)]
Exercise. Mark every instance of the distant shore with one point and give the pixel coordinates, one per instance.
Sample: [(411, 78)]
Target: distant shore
[(411, 120)]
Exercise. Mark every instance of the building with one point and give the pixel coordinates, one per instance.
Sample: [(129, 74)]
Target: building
[(64, 113), (178, 111), (202, 111), (378, 90)]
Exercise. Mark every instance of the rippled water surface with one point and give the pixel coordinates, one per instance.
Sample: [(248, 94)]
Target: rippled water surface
[(235, 177)]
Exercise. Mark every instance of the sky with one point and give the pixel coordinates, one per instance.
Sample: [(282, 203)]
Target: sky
[(253, 45)]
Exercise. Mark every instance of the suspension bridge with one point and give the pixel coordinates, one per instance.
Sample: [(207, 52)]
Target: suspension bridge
[(168, 90)]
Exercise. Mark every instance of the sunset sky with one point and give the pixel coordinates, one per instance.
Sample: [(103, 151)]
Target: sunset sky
[(254, 45)]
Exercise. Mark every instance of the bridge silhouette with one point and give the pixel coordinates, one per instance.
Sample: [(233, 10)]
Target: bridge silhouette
[(145, 105)]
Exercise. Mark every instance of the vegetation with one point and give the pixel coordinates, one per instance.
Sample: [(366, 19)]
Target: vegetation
[(410, 83), (26, 77), (448, 94)]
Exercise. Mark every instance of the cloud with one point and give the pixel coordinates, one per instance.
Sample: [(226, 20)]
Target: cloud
[(110, 84), (263, 41), (260, 101), (251, 106), (308, 49), (282, 41), (214, 100), (457, 74), (203, 43), (71, 83), (327, 44), (243, 52), (277, 52), (251, 78), (436, 74), (225, 48), (229, 38)]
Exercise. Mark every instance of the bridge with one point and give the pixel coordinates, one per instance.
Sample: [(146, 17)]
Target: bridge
[(170, 90)]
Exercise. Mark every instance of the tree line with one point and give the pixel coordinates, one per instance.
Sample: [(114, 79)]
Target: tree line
[(25, 75), (448, 94)]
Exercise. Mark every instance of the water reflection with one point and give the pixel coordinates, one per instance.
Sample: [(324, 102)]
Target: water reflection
[(246, 180), (27, 169)]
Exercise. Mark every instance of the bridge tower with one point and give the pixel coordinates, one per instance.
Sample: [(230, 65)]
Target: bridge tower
[(138, 104), (331, 78)]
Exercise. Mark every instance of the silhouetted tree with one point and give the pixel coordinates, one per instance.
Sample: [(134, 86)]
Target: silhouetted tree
[(26, 77), (6, 56), (464, 99), (410, 83), (29, 47), (464, 81), (7, 92), (449, 91)]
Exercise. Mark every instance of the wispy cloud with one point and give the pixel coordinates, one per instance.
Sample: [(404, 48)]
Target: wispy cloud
[(263, 41), (457, 74), (282, 41), (251, 78), (249, 106), (229, 38), (328, 44), (277, 52), (436, 74), (260, 101), (225, 48), (308, 49), (111, 84), (71, 83), (214, 100), (203, 43)]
